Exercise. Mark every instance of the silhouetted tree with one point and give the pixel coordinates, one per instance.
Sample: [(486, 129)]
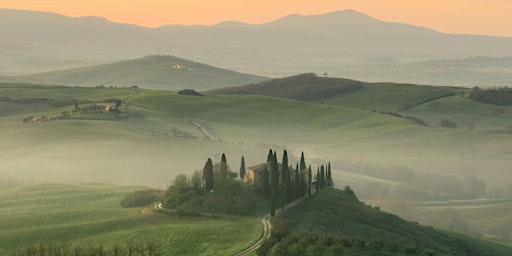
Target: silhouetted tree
[(285, 181), (208, 175), (265, 183), (223, 167), (302, 162), (296, 181), (330, 182), (309, 181), (274, 179), (242, 168)]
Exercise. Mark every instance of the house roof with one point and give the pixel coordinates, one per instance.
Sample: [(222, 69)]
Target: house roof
[(261, 167)]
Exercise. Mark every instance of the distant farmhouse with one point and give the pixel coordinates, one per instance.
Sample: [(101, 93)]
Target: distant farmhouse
[(254, 174)]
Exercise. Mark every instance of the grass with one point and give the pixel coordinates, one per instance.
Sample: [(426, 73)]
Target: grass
[(335, 213), (490, 220), (387, 97), (90, 214)]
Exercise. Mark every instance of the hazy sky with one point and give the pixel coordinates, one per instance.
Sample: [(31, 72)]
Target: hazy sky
[(491, 17)]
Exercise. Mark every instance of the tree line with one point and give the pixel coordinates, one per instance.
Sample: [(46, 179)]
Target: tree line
[(496, 96), (286, 184)]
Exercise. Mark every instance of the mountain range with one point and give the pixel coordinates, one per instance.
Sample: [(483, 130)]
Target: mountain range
[(39, 42)]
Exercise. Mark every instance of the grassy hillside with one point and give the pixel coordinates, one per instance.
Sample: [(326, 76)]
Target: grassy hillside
[(242, 124), (306, 87), (156, 72), (388, 97), (90, 214), (340, 216)]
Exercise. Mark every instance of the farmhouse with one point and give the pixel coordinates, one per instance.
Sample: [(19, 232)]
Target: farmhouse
[(254, 174)]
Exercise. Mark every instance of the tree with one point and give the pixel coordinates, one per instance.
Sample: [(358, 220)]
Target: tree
[(223, 167), (317, 183), (265, 183), (242, 168), (297, 190), (196, 180), (309, 181), (285, 181), (208, 175), (274, 173), (322, 178), (330, 183), (302, 162)]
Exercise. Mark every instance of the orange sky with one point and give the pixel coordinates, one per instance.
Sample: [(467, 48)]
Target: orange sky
[(491, 17)]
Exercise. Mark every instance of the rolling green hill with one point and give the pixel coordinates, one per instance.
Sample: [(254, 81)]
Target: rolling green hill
[(156, 72), (340, 220), (169, 136), (240, 123), (91, 215), (306, 87), (389, 97)]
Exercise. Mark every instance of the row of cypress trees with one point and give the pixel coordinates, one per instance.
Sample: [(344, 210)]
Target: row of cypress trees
[(281, 184), (284, 185)]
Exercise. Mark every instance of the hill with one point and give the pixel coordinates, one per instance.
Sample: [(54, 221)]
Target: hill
[(340, 222), (290, 45), (89, 216), (155, 72), (379, 97), (306, 87)]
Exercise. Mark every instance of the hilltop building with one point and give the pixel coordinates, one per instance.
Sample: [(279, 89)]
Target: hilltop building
[(254, 174)]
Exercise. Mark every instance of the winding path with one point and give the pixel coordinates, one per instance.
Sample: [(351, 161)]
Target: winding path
[(267, 228), (203, 130)]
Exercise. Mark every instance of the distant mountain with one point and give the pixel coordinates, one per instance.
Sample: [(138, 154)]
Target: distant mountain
[(35, 41), (156, 72)]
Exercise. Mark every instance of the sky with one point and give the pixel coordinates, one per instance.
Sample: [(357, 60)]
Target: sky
[(489, 17)]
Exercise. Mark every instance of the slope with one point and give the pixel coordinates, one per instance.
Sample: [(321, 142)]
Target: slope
[(156, 72), (89, 215), (339, 215), (306, 87), (389, 97)]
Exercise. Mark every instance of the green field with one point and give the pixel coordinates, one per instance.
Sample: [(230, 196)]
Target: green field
[(90, 214), (387, 97)]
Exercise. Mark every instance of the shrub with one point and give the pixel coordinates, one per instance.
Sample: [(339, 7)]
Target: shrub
[(141, 198), (448, 124)]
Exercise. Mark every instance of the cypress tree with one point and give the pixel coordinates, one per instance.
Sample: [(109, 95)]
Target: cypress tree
[(317, 183), (208, 175), (296, 182), (302, 162), (322, 177), (270, 156), (274, 179), (242, 168), (330, 183), (223, 167), (309, 181), (285, 181), (265, 183)]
